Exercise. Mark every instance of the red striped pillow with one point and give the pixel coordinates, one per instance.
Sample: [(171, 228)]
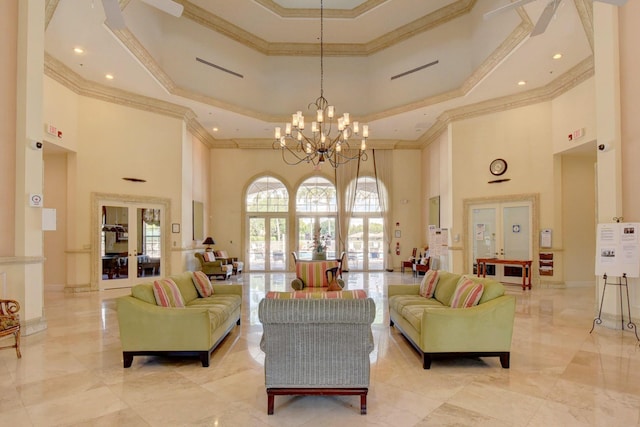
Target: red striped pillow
[(167, 293), (202, 283), (467, 293), (428, 284)]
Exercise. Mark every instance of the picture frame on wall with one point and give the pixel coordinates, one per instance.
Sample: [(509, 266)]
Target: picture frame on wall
[(175, 227)]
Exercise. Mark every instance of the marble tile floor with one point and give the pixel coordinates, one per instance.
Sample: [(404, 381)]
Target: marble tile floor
[(560, 375)]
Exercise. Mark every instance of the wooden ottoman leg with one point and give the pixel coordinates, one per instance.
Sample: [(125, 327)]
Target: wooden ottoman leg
[(363, 404), (270, 399)]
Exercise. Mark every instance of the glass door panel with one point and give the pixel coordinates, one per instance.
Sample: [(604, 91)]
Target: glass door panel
[(306, 228), (375, 244), (277, 244), (355, 244), (328, 230), (257, 244)]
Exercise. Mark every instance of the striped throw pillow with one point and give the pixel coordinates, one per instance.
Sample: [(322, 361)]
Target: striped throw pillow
[(209, 257), (167, 293), (467, 293), (428, 284), (202, 283)]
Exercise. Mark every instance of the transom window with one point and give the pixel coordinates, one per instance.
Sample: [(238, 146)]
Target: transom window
[(316, 194), (366, 195), (267, 194)]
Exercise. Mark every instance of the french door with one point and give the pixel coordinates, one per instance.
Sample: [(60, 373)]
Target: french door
[(131, 243), (308, 227), (500, 230), (267, 243), (365, 242)]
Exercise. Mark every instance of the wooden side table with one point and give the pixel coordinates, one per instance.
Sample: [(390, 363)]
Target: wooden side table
[(525, 264)]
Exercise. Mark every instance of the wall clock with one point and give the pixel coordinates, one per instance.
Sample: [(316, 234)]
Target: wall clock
[(498, 167)]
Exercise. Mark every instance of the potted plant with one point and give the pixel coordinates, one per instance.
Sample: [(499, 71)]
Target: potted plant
[(319, 246)]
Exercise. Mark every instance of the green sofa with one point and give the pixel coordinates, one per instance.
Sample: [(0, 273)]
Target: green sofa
[(195, 330), (436, 329)]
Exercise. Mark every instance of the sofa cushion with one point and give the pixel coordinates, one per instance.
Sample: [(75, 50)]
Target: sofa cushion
[(221, 254), (413, 313), (352, 294), (467, 293), (399, 302), (447, 283), (144, 292), (184, 281), (492, 288), (202, 283), (428, 284), (209, 257), (167, 294)]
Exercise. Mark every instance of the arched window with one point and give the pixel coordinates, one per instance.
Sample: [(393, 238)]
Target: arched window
[(267, 204), (267, 194), (316, 215), (365, 239)]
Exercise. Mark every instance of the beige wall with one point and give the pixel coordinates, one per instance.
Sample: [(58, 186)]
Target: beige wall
[(8, 67), (233, 170), (55, 242), (630, 123), (579, 218)]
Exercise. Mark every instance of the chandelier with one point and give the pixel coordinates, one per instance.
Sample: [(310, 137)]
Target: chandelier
[(329, 140)]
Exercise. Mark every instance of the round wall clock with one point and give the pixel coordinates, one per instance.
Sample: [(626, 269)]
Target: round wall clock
[(498, 167)]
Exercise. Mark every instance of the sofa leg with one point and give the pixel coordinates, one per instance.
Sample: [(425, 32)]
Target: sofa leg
[(204, 359), (127, 359), (426, 361), (363, 404), (505, 359), (270, 399)]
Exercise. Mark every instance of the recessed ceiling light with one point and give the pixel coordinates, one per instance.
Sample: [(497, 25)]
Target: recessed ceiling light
[(109, 76), (522, 83), (557, 56), (215, 129), (78, 50)]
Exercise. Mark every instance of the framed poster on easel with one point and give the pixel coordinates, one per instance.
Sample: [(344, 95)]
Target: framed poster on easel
[(618, 249), (617, 256)]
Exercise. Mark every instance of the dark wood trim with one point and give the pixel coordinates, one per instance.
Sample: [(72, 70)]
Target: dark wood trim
[(302, 391)]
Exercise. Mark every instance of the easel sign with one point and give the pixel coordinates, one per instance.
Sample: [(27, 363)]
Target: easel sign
[(618, 249)]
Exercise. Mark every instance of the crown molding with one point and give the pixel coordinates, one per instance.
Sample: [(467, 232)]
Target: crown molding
[(422, 24), (59, 72), (585, 12), (286, 12), (49, 9), (572, 78)]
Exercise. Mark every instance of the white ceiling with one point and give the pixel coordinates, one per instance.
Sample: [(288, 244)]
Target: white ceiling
[(273, 45)]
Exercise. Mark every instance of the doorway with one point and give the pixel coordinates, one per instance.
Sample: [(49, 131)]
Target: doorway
[(365, 243), (130, 240), (267, 243), (503, 229)]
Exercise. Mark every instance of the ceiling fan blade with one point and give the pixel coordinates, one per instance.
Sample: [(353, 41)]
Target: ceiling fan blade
[(167, 6), (112, 11), (506, 7), (545, 18)]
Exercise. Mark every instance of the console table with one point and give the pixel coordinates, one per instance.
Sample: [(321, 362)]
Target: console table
[(525, 264)]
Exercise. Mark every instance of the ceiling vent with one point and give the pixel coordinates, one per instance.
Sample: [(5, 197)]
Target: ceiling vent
[(211, 64), (422, 67)]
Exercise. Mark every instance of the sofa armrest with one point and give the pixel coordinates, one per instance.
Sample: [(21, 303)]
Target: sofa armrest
[(145, 326), (403, 290), (227, 289), (484, 327)]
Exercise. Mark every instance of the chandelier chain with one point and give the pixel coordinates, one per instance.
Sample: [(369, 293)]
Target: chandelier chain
[(322, 144)]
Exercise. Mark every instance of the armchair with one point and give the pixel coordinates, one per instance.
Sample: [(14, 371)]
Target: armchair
[(10, 322), (237, 265), (217, 267)]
